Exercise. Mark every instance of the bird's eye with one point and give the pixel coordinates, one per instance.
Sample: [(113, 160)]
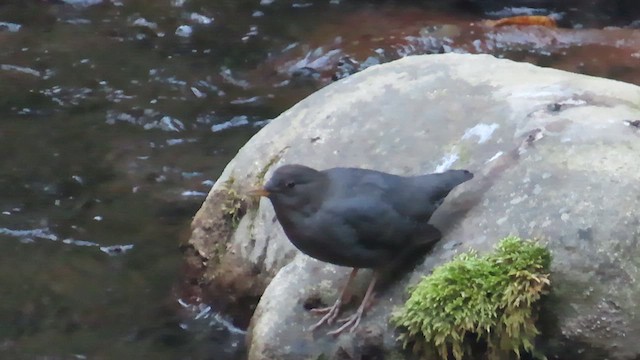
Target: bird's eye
[(290, 184)]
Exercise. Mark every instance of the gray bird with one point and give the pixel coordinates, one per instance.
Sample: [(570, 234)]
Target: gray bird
[(358, 218)]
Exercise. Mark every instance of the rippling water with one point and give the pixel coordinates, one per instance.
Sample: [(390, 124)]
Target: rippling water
[(112, 130), (116, 117)]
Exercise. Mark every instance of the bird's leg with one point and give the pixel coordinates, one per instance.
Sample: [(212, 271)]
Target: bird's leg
[(331, 312), (353, 321)]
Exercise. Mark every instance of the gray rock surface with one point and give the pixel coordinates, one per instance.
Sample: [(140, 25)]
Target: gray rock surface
[(553, 157)]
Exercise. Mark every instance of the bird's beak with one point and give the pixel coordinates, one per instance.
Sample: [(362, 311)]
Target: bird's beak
[(258, 192)]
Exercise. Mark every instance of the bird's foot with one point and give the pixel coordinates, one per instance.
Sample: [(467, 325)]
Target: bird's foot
[(350, 323), (330, 314), (323, 310)]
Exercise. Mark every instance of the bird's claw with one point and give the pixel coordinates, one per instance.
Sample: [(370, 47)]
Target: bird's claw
[(350, 323), (330, 312), (323, 310)]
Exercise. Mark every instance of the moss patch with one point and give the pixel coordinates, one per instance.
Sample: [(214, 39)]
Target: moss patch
[(492, 298), (234, 204)]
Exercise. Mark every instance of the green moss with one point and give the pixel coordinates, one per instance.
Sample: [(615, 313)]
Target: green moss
[(234, 205), (492, 298)]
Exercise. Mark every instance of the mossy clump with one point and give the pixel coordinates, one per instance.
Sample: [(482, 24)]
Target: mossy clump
[(491, 298), (234, 205)]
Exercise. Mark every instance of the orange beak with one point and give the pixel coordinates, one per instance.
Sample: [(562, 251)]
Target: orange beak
[(258, 192)]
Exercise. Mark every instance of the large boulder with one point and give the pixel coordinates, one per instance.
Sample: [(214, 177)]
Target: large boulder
[(555, 156)]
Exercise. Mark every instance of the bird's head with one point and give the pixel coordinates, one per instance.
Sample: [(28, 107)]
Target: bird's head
[(294, 187)]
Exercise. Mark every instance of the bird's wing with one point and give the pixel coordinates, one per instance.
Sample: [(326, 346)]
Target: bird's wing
[(418, 197), (371, 222)]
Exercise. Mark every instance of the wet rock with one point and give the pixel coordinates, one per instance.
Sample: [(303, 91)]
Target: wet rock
[(184, 31), (82, 3), (345, 67), (588, 12), (11, 27), (201, 19), (305, 75), (553, 158), (576, 45)]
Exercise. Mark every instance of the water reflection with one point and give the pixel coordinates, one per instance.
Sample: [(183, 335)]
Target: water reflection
[(108, 139), (117, 116)]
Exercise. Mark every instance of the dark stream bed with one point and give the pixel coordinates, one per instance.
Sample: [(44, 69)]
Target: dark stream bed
[(116, 117)]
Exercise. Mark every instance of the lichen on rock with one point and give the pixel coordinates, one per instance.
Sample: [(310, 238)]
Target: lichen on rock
[(493, 298)]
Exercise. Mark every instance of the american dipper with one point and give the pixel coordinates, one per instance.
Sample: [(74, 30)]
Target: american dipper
[(354, 217)]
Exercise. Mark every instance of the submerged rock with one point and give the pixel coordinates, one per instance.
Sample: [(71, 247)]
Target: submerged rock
[(554, 159)]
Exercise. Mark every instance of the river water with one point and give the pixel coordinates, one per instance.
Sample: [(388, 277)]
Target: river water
[(116, 117)]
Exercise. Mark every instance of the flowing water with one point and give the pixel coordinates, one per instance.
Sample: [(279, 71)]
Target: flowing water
[(116, 117)]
